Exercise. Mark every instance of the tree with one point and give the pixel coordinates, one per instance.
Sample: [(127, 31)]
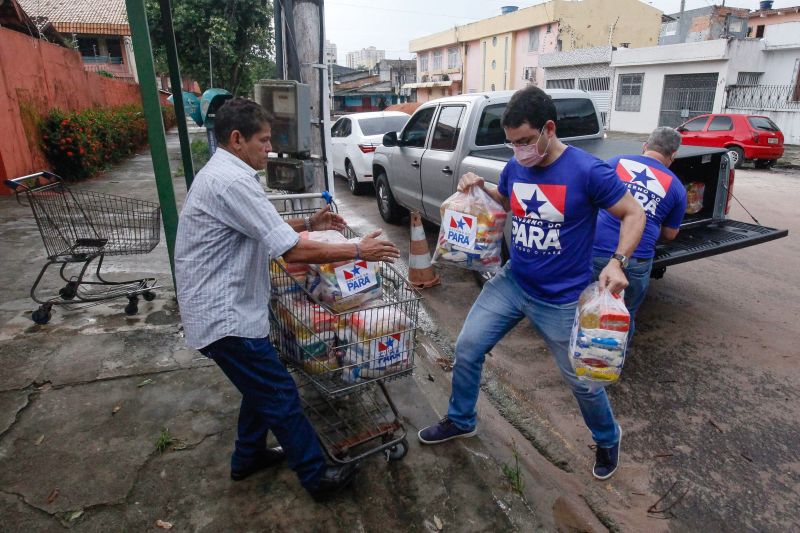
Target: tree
[(238, 31)]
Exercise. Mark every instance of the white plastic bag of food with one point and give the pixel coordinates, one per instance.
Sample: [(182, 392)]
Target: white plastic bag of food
[(599, 335), (471, 234)]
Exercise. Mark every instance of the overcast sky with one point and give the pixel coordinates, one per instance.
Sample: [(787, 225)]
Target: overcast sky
[(389, 24)]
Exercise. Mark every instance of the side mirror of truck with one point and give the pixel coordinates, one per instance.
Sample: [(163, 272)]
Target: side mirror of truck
[(390, 139)]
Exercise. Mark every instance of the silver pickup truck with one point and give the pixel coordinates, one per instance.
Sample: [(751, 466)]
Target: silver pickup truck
[(419, 168)]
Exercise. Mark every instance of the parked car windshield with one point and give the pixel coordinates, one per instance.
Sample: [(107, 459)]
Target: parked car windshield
[(381, 125), (576, 117), (763, 123)]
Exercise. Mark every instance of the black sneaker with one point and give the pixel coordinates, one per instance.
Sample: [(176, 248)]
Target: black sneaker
[(444, 431), (606, 460), (333, 480), (265, 459)]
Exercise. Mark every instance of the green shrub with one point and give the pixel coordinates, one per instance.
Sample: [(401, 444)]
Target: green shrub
[(79, 144), (105, 73)]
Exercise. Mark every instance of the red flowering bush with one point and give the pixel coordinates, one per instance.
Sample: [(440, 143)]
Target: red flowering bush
[(80, 144)]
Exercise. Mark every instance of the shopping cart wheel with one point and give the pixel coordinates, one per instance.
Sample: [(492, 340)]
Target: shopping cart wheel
[(133, 306), (149, 296), (41, 315), (398, 451), (69, 290)]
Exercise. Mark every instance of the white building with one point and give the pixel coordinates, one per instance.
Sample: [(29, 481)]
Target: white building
[(586, 69), (772, 86), (365, 59), (330, 53), (667, 85)]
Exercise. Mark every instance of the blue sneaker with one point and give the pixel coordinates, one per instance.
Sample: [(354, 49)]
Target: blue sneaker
[(444, 431), (606, 460)]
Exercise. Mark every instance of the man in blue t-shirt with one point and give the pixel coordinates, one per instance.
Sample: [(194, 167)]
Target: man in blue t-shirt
[(663, 198), (554, 193)]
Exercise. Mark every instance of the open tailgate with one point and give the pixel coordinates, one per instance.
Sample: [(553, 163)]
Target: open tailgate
[(715, 238)]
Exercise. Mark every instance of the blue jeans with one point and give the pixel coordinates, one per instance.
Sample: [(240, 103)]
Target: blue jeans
[(500, 306), (638, 274), (270, 402)]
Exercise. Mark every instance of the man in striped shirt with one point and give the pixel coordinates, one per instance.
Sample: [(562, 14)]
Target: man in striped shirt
[(227, 233)]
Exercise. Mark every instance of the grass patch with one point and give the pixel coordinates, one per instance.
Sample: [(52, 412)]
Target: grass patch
[(164, 441), (513, 472), (200, 157)]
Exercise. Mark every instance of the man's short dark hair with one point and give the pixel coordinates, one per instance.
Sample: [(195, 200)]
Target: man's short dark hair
[(246, 116), (531, 105)]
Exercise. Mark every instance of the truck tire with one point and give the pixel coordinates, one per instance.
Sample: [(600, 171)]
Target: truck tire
[(737, 156), (389, 209)]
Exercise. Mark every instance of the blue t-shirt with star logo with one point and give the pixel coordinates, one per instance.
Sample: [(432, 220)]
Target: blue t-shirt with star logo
[(553, 215), (660, 193)]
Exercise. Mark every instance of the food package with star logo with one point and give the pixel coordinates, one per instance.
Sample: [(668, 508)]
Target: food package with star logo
[(599, 335), (377, 338), (471, 234), (343, 285)]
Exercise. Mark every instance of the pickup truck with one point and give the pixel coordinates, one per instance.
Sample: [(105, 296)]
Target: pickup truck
[(445, 138)]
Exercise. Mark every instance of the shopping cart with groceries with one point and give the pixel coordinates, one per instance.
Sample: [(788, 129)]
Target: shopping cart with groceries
[(80, 227), (344, 330)]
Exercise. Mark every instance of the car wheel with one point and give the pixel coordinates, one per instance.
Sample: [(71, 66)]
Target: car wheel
[(355, 187), (765, 163), (389, 209), (737, 156)]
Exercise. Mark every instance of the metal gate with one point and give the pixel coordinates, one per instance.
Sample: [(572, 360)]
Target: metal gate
[(686, 96)]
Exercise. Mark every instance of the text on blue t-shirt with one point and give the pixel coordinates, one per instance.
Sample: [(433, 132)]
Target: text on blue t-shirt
[(660, 193)]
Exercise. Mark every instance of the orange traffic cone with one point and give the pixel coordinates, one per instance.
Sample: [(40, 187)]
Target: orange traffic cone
[(420, 271)]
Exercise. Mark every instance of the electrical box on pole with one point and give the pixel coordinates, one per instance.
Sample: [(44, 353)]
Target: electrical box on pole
[(289, 101)]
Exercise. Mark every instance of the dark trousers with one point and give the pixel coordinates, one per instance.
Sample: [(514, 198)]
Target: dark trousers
[(270, 402)]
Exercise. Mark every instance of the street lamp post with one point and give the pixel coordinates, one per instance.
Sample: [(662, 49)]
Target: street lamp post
[(210, 68)]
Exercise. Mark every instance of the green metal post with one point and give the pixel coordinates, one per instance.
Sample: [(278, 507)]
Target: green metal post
[(177, 90), (143, 52)]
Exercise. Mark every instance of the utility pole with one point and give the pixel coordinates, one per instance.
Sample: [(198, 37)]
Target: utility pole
[(305, 33)]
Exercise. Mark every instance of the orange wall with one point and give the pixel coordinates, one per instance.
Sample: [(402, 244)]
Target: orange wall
[(36, 77)]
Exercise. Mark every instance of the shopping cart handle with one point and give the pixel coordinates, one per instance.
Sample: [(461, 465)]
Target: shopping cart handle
[(30, 182), (327, 197)]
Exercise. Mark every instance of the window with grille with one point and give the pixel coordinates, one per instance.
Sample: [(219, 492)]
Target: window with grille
[(529, 73), (669, 28), (749, 78), (533, 40), (452, 58), (437, 60), (565, 83), (629, 92), (423, 62), (594, 84)]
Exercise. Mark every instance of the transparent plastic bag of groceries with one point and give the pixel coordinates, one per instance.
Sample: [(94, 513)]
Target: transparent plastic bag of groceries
[(599, 335), (471, 234)]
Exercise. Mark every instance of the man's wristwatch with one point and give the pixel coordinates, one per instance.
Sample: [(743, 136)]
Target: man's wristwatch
[(623, 261)]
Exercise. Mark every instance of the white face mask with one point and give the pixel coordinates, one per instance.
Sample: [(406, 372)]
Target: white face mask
[(528, 155)]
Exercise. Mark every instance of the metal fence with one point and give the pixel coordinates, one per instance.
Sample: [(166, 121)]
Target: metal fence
[(686, 96), (764, 97)]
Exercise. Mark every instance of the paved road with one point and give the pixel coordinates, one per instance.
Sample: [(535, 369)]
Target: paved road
[(708, 399)]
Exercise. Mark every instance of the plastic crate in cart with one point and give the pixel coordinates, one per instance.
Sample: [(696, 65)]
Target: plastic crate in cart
[(339, 351)]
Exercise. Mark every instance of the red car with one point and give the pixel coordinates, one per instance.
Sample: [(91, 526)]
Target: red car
[(747, 137)]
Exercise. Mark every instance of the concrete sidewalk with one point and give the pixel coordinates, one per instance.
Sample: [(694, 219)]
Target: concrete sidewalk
[(84, 399)]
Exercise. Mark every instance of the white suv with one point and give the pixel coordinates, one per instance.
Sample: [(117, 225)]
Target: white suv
[(354, 139)]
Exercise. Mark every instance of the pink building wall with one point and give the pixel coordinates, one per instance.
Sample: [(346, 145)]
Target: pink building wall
[(524, 58), (472, 68)]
